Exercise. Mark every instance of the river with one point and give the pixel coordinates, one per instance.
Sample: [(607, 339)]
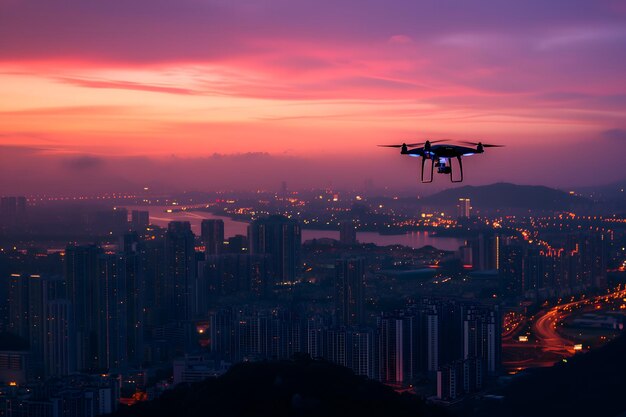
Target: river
[(416, 239)]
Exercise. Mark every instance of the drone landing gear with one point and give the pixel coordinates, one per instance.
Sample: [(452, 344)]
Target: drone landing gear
[(442, 168), (458, 158), (432, 168)]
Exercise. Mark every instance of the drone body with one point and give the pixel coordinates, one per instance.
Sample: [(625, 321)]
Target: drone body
[(441, 156)]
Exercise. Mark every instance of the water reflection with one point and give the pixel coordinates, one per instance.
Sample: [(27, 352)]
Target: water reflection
[(160, 217)]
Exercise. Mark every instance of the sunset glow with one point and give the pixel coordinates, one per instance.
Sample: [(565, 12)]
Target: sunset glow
[(196, 78)]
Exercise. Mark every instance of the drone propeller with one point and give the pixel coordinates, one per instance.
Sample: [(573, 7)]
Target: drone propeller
[(413, 145), (410, 145), (484, 145), (390, 146), (416, 144), (429, 141)]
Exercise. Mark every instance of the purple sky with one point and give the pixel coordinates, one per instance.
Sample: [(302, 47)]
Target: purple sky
[(102, 94)]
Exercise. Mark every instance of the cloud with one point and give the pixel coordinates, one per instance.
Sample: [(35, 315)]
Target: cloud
[(589, 36), (66, 111), (311, 50), (29, 171), (400, 39), (127, 85), (615, 134), (83, 162), (6, 150), (243, 75), (153, 31)]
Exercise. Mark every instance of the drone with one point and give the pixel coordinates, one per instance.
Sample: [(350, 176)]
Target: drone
[(441, 156)]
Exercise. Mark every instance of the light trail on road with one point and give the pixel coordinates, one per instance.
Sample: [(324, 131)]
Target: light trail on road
[(550, 346), (545, 326)]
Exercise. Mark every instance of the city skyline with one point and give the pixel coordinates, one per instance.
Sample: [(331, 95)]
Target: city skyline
[(444, 303), (210, 205), (129, 92)]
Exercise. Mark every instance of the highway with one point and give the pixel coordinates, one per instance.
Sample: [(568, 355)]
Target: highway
[(545, 331), (545, 326), (550, 345)]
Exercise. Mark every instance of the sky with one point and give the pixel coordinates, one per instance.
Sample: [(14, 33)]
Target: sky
[(213, 94)]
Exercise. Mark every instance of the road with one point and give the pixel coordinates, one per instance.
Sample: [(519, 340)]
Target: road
[(545, 326), (545, 331), (550, 346)]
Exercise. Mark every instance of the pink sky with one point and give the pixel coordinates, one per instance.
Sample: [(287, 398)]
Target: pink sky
[(314, 80)]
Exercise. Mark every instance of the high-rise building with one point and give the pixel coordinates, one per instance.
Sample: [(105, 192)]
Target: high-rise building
[(458, 378), (221, 331), (280, 238), (361, 352), (485, 251), (19, 306), (229, 274), (433, 341), (107, 222), (236, 244), (482, 336), (350, 291), (433, 335), (59, 351), (511, 270), (83, 291), (154, 267), (119, 336), (28, 297), (134, 271), (278, 333), (180, 274), (391, 350), (534, 270), (140, 220), (251, 334), (212, 236), (464, 208), (347, 232), (451, 330), (442, 325), (589, 253), (112, 334), (314, 336), (416, 331), (336, 346), (414, 345)]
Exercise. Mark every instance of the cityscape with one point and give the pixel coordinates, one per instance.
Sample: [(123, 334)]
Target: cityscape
[(291, 208), (112, 301)]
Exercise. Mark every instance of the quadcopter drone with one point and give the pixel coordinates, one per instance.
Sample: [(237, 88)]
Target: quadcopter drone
[(441, 156)]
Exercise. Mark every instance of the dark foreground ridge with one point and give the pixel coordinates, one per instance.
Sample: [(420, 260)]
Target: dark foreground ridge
[(300, 387), (591, 384)]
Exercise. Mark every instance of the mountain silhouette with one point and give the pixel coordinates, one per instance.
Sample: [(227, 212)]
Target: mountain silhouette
[(506, 195), (301, 387)]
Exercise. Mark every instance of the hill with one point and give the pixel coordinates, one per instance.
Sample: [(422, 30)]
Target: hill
[(613, 192), (505, 195), (302, 387), (590, 384)]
